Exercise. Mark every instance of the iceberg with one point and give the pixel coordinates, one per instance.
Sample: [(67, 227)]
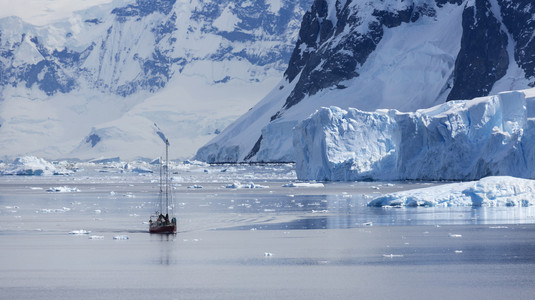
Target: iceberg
[(30, 166), (62, 189), (488, 192), (458, 140)]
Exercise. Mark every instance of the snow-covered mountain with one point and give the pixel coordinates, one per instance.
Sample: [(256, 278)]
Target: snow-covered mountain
[(115, 79), (403, 55)]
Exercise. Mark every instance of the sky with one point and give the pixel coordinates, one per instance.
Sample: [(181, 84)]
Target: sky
[(41, 12)]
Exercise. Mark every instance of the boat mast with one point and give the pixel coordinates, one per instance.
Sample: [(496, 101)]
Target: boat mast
[(166, 176), (161, 186)]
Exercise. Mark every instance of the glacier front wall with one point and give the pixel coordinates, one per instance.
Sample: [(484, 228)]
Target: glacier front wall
[(458, 140)]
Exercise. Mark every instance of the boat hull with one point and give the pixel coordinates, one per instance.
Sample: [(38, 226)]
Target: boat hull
[(163, 229)]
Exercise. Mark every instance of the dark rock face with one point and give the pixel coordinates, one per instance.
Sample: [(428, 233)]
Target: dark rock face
[(326, 54), (517, 15), (483, 58)]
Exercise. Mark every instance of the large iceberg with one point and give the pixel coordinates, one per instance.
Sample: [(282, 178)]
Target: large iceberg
[(30, 165), (489, 191), (458, 140)]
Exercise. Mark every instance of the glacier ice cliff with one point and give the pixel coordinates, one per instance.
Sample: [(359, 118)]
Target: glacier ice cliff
[(457, 140)]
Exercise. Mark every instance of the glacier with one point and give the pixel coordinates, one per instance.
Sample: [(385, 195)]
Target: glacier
[(457, 140), (490, 191)]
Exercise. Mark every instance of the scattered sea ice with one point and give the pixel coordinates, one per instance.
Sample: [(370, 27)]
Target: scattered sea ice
[(453, 235), (303, 184), (96, 237), (121, 237), (79, 232)]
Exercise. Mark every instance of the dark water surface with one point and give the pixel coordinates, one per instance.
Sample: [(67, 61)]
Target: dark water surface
[(273, 242)]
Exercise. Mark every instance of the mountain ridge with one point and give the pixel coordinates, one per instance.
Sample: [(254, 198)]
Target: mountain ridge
[(404, 55)]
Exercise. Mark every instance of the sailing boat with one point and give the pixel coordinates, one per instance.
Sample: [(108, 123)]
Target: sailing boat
[(159, 222)]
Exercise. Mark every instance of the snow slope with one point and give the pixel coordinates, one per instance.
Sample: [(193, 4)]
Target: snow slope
[(489, 191), (458, 140)]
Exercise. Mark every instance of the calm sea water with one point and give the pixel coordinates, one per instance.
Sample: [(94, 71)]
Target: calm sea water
[(265, 243)]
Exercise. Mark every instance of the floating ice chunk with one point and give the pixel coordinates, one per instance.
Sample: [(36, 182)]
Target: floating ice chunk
[(489, 191), (454, 235), (250, 185), (458, 251), (196, 186), (141, 170), (30, 166), (53, 210), (96, 237), (268, 254), (392, 255), (121, 237), (79, 232), (63, 189), (234, 185), (304, 184)]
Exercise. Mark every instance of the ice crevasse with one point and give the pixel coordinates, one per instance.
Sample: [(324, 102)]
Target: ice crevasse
[(457, 140)]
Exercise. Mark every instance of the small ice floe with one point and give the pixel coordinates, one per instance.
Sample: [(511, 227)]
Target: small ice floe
[(320, 211), (96, 237), (196, 186), (121, 237), (392, 255), (250, 185), (458, 251), (268, 254), (79, 232), (454, 235), (63, 189), (498, 227), (112, 193), (98, 211), (141, 170), (35, 188), (303, 184), (53, 210)]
